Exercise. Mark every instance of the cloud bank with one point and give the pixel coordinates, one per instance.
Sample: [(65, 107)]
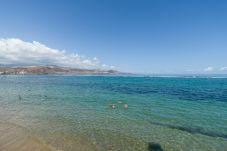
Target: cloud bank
[(209, 69), (223, 69), (217, 70), (17, 51)]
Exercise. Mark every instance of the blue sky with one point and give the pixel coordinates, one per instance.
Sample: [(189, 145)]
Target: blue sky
[(153, 36)]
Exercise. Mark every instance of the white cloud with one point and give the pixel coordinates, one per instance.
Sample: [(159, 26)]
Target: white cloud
[(104, 66), (223, 69), (16, 51), (209, 69)]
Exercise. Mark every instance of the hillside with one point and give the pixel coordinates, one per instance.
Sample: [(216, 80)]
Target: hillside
[(53, 70)]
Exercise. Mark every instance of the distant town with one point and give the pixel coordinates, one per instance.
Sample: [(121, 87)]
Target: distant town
[(53, 70)]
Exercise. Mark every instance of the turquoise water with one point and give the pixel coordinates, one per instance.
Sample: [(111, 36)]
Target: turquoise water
[(73, 113)]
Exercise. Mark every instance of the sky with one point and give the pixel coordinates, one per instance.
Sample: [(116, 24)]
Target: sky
[(139, 36)]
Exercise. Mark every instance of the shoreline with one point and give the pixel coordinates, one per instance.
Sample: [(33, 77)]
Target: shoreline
[(16, 138)]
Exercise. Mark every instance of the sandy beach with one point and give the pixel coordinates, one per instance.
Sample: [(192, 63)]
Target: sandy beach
[(15, 138)]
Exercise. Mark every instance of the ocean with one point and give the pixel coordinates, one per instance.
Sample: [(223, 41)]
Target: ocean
[(74, 113)]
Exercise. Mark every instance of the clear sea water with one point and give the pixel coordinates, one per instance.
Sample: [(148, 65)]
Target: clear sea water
[(73, 113)]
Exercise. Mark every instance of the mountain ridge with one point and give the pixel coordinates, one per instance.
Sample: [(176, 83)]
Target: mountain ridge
[(53, 70)]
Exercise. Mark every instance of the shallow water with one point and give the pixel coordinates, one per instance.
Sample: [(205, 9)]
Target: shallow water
[(72, 112)]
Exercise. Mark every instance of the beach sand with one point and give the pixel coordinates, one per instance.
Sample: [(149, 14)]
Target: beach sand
[(15, 138)]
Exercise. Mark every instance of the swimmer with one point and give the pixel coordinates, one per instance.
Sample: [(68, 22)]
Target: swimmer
[(126, 106)]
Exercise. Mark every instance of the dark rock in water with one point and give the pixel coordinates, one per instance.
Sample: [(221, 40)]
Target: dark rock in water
[(154, 147)]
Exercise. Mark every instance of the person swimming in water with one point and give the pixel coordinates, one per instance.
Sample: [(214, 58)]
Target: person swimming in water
[(126, 106), (20, 98)]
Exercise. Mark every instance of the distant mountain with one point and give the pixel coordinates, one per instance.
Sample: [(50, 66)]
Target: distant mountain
[(53, 70)]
